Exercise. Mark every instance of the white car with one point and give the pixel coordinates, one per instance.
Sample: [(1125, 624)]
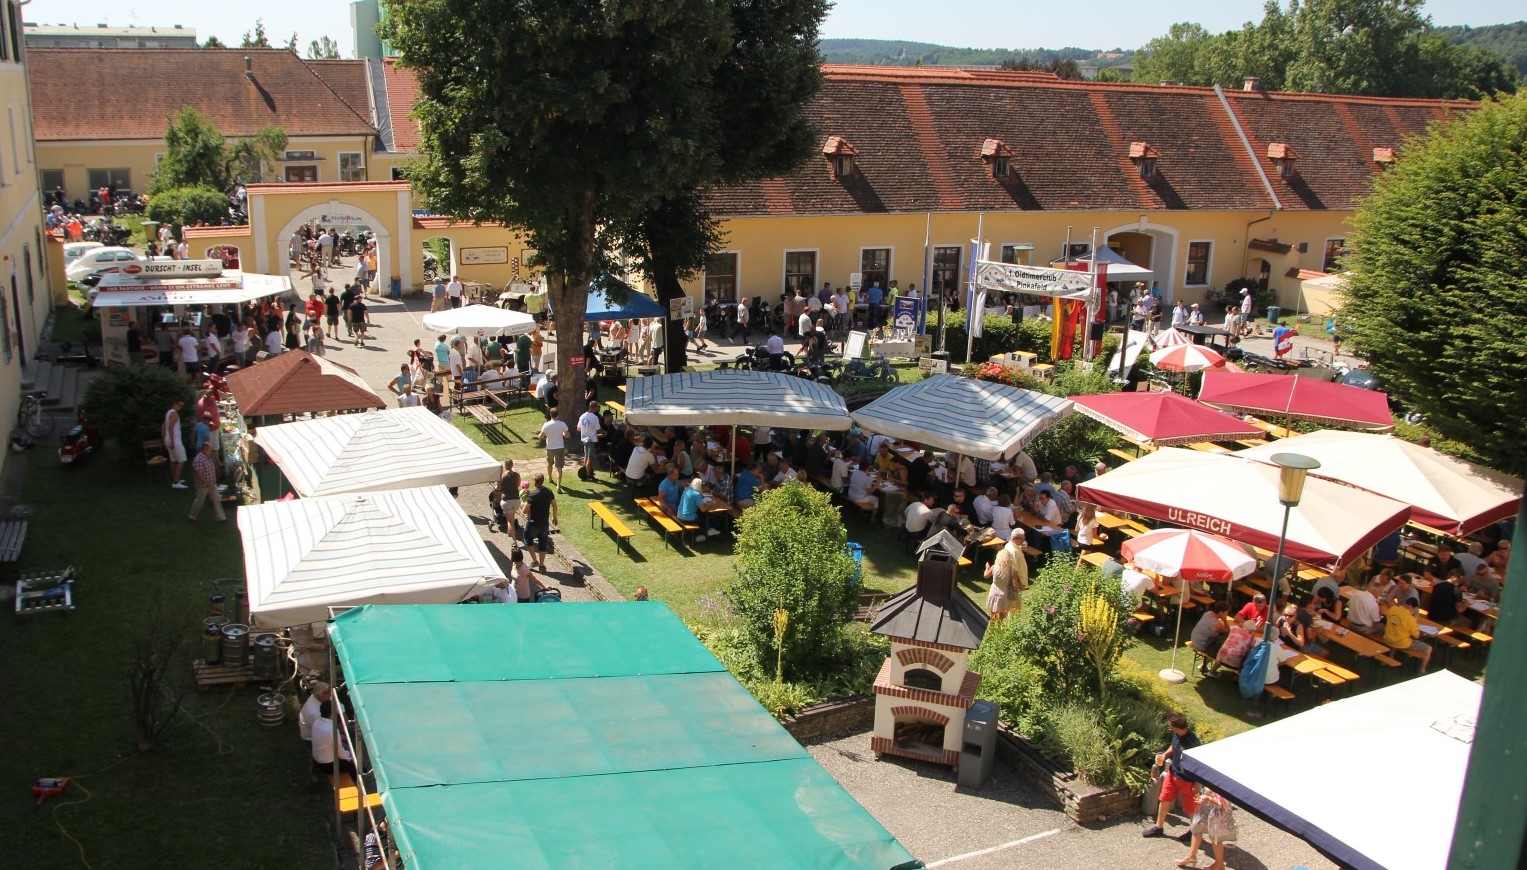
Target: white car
[(100, 261), (74, 250)]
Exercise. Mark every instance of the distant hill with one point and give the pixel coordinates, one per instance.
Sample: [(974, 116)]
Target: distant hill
[(1507, 40), (887, 52)]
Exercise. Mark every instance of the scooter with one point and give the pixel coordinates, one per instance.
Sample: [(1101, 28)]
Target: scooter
[(79, 442)]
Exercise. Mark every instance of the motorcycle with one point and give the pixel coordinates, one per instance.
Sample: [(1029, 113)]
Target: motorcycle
[(84, 357), (79, 442)]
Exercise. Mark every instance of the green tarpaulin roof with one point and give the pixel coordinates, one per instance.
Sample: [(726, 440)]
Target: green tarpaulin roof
[(583, 735)]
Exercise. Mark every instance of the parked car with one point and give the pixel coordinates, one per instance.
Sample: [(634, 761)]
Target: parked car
[(100, 261), (74, 250)]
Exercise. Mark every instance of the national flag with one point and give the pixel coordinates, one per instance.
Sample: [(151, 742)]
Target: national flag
[(1282, 340)]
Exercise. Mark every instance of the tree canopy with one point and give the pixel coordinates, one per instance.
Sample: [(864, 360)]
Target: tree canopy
[(1437, 288), (1369, 47), (196, 154)]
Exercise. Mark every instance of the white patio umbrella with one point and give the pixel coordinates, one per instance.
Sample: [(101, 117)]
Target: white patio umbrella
[(1186, 358), (470, 319), (1187, 555)]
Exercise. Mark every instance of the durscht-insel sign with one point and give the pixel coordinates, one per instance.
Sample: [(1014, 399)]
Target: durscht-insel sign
[(175, 269)]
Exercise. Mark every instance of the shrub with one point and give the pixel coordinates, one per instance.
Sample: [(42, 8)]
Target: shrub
[(179, 206), (851, 659), (791, 557), (1000, 335), (128, 402)]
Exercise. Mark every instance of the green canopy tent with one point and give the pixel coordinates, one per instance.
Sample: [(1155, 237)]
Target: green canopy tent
[(587, 735)]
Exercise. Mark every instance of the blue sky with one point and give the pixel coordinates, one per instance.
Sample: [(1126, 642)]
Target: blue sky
[(968, 23)]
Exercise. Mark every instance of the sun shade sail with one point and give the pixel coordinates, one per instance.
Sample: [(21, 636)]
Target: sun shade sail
[(488, 319), (1163, 419), (1444, 493), (1238, 499), (1297, 398), (504, 730), (1429, 720), (404, 546), (734, 398), (392, 449), (971, 417)]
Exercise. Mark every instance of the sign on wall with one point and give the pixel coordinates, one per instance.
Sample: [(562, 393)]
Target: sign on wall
[(175, 269), (490, 256), (340, 219)]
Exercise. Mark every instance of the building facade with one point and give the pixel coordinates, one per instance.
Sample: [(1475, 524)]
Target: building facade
[(106, 36)]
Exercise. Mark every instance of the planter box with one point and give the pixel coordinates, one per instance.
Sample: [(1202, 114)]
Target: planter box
[(1082, 801), (832, 717)]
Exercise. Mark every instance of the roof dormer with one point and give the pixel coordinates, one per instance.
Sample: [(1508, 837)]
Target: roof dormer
[(1283, 156), (1384, 157), (841, 155), (1144, 157), (998, 157)]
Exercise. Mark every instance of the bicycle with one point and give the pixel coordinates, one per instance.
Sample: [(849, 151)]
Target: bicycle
[(31, 418)]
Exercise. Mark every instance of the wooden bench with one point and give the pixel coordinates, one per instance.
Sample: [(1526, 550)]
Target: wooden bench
[(617, 407), (666, 522), (486, 419), (1121, 454), (348, 796), (1204, 660), (13, 534), (598, 510), (1278, 693)]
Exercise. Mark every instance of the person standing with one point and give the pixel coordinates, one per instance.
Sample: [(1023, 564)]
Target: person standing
[(400, 384), (360, 318), (554, 434), (189, 354), (437, 296), (174, 443), (326, 248), (1009, 575), (204, 470), (509, 488), (588, 433), (1174, 783), (453, 292), (541, 506), (658, 331)]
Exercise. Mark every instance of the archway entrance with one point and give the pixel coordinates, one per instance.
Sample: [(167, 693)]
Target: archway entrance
[(438, 259), (1149, 246), (351, 228)]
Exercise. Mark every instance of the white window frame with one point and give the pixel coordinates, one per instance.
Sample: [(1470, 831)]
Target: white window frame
[(360, 157), (1327, 246), (10, 113), (1026, 250), (784, 258), (961, 273), (890, 264), (736, 276), (1187, 263)]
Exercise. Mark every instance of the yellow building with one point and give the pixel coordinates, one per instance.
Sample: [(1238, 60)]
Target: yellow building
[(23, 261)]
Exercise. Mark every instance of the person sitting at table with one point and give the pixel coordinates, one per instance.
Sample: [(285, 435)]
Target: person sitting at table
[(1048, 510), (1439, 565), (919, 515), (688, 511), (1326, 604), (818, 462), (1404, 587), (1254, 612), (1447, 595), (1023, 466), (1382, 585), (919, 471), (717, 481), (1002, 518), (681, 459), (1499, 558), (1065, 499), (670, 489), (885, 460), (859, 485), (1484, 584), (981, 507), (642, 461), (964, 472), (838, 469), (1295, 628), (748, 481), (1363, 614), (1208, 634), (1402, 631)]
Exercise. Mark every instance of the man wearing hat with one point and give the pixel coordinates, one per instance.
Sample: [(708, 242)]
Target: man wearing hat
[(309, 712), (1195, 315)]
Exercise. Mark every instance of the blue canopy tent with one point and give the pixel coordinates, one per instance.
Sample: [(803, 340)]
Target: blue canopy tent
[(602, 307)]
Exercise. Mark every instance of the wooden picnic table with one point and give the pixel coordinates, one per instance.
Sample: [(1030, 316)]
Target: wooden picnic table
[(1109, 521)]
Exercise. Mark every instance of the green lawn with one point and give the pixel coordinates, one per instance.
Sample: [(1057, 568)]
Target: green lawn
[(219, 790)]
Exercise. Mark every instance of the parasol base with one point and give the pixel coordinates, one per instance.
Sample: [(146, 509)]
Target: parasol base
[(1172, 675)]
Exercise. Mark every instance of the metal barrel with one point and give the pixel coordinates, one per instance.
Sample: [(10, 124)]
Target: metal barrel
[(235, 644), (217, 603), (241, 607), (212, 643), (271, 709), (267, 657)]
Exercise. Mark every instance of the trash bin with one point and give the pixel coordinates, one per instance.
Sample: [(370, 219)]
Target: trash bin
[(1273, 313), (397, 287), (978, 745), (857, 552)]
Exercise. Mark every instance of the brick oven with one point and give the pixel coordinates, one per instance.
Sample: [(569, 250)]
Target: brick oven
[(925, 686)]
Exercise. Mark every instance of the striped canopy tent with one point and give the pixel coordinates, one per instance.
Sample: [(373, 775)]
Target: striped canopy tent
[(734, 398), (398, 447), (981, 419), (401, 546)]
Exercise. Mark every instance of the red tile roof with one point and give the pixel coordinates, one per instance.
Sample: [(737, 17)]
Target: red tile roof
[(920, 135), (297, 382), (402, 92), (131, 93)]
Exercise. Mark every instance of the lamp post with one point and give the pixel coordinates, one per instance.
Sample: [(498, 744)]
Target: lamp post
[(1292, 470)]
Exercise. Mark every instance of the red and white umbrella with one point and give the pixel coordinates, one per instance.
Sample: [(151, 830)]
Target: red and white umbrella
[(1186, 358), (1189, 554), (1170, 338)]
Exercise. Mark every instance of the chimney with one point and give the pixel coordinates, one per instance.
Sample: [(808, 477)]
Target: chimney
[(1252, 83), (248, 68)]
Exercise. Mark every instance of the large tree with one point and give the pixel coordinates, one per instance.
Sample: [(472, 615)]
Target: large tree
[(565, 119), (760, 91), (196, 154), (1437, 288), (1371, 47)]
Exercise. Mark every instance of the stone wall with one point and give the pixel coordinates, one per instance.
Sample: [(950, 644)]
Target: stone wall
[(1082, 801), (833, 717)]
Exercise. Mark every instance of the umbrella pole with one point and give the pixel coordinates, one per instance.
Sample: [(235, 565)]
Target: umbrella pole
[(1171, 674), (733, 489)]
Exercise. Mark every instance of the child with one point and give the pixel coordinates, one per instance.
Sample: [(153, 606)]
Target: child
[(496, 505), (1215, 821)]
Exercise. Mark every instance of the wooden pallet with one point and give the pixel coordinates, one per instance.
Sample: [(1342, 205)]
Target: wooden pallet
[(13, 534), (208, 676)]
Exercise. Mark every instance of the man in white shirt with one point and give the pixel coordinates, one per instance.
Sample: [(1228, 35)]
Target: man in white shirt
[(273, 342), (588, 433), (1023, 466), (503, 592), (474, 354), (966, 473), (325, 248), (330, 755), (554, 433), (190, 356), (453, 292), (859, 483), (839, 477), (983, 505), (458, 362), (214, 349), (803, 326), (1363, 613), (309, 712), (919, 515), (1047, 509), (776, 348), (409, 398), (641, 462)]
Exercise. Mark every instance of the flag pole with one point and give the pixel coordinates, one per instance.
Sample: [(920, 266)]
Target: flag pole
[(1093, 297), (972, 316)]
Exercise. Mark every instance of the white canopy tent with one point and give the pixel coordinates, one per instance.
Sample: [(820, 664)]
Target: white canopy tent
[(734, 398), (963, 415), (1238, 499), (470, 319), (127, 291), (398, 447), (1119, 269), (1425, 725), (1447, 494), (402, 546)]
